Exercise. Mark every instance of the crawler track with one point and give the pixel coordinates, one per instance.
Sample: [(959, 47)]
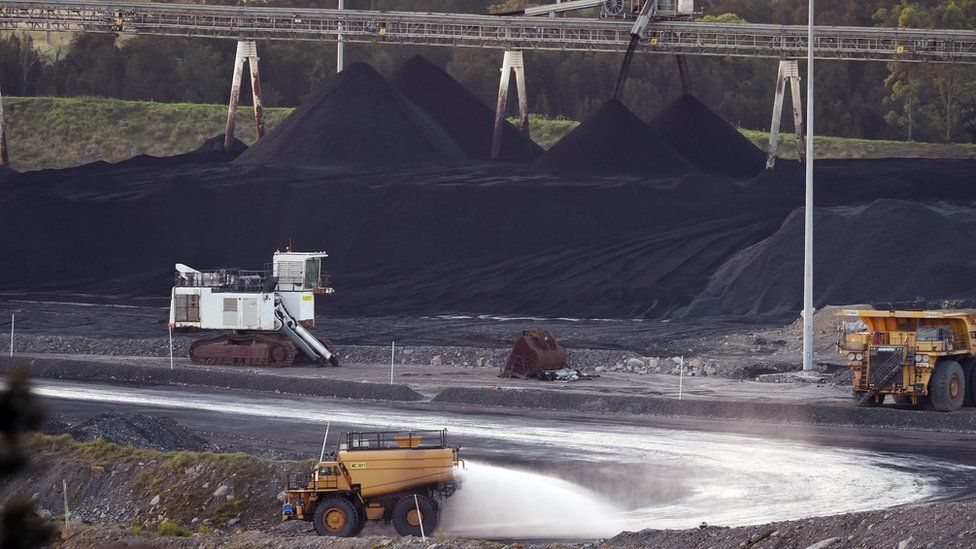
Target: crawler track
[(250, 349)]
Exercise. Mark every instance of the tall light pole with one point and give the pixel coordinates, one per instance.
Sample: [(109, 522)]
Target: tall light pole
[(340, 58), (808, 211)]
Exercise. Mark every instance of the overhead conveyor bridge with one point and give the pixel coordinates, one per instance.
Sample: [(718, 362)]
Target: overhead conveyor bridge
[(488, 31)]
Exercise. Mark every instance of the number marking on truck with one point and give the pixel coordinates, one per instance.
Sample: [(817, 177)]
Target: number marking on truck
[(357, 465)]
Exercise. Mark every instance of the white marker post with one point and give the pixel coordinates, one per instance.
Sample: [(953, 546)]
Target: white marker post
[(392, 354), (11, 334), (324, 440), (322, 453), (420, 519), (171, 347), (681, 376), (64, 484)]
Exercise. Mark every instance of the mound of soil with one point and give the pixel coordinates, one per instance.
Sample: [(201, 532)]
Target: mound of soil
[(216, 145), (357, 119), (890, 251), (131, 429), (459, 111), (54, 426), (613, 140), (706, 140), (210, 151)]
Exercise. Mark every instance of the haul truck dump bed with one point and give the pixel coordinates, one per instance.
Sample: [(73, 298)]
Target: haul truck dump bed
[(923, 358)]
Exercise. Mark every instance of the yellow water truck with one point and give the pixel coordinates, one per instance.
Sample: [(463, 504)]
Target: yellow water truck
[(921, 358), (391, 476)]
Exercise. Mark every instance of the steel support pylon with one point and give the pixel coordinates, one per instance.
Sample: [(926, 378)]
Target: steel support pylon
[(247, 50), (512, 61), (788, 71)]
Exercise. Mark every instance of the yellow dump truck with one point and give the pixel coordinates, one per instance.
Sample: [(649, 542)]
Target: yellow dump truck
[(921, 358), (398, 477)]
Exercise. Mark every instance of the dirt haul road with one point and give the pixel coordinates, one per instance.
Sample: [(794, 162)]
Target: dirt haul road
[(589, 477)]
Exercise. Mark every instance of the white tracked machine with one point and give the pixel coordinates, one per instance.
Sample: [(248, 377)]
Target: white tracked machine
[(268, 312)]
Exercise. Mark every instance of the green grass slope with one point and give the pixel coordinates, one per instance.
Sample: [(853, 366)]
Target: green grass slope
[(45, 132)]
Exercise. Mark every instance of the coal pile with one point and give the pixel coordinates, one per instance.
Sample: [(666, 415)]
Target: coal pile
[(357, 119), (209, 152), (888, 251), (486, 239), (132, 429), (570, 240), (494, 238), (457, 110), (706, 140), (613, 140), (216, 145)]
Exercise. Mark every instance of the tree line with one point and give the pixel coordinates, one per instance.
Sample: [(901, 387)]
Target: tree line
[(926, 102)]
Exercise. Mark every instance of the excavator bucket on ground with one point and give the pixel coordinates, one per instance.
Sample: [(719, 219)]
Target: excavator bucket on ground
[(535, 353)]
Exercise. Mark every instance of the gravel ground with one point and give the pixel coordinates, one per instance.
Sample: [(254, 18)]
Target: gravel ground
[(737, 348), (129, 429), (636, 360), (930, 527)]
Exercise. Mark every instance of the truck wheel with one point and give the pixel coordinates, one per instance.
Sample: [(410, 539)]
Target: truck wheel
[(336, 517), (947, 387), (969, 369), (361, 516), (405, 517)]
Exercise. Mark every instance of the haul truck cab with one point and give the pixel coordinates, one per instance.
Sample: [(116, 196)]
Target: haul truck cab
[(397, 477), (923, 358)]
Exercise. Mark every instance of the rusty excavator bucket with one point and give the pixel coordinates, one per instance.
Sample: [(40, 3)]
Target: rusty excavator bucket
[(535, 353)]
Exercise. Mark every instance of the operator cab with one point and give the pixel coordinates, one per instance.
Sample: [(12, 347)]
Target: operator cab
[(301, 272)]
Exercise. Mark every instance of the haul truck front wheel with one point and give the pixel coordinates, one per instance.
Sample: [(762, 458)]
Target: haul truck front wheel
[(408, 513), (947, 388), (336, 517)]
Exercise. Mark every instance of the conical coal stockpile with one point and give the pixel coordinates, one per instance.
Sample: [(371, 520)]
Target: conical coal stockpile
[(706, 140), (460, 112), (613, 140), (357, 119), (861, 256)]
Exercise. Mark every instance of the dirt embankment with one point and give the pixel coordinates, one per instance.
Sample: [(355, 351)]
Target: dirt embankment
[(773, 412), (143, 488), (156, 375), (126, 495)]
